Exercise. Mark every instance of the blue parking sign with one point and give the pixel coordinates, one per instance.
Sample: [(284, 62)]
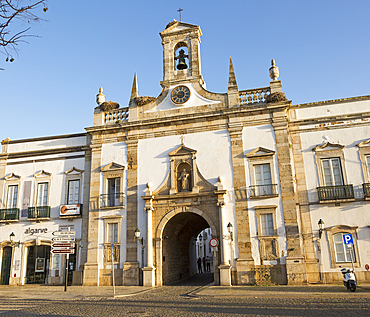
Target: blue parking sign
[(347, 238)]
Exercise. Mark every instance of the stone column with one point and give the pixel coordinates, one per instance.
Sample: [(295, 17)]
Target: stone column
[(131, 266), (295, 262), (225, 268), (245, 261), (149, 270), (91, 268)]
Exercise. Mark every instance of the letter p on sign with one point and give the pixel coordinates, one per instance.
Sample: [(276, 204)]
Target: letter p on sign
[(347, 238)]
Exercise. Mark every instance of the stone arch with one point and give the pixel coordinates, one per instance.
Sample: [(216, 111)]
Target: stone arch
[(162, 223), (173, 243)]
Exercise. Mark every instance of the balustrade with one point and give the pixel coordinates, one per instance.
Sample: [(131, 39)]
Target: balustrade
[(116, 116), (252, 96)]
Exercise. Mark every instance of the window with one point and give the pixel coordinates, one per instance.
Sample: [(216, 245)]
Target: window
[(112, 232), (261, 168), (113, 198), (368, 165), (42, 194), (112, 225), (12, 197), (342, 253), (113, 185), (332, 172), (73, 192), (267, 225), (339, 253), (262, 174)]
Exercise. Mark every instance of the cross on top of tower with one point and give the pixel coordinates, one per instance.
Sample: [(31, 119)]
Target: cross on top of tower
[(179, 11)]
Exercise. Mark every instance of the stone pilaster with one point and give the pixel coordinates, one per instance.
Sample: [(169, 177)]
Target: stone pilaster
[(85, 211), (295, 262), (245, 260), (91, 268), (3, 162), (131, 266), (312, 265)]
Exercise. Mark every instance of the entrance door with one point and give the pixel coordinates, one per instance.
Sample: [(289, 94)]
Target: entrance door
[(38, 261), (6, 265)]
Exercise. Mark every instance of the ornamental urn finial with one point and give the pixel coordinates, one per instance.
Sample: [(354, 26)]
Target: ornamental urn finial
[(274, 71), (100, 98)]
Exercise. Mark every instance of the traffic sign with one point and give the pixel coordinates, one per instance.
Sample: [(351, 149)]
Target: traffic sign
[(64, 239), (63, 251), (347, 238), (63, 245), (213, 243), (64, 233)]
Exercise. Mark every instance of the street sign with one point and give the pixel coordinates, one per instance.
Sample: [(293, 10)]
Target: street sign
[(64, 233), (347, 238), (63, 245), (213, 243), (64, 239), (63, 251)]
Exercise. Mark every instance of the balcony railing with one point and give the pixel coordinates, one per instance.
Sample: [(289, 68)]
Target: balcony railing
[(111, 200), (38, 212), (108, 252), (263, 190), (9, 214), (366, 187), (335, 192)]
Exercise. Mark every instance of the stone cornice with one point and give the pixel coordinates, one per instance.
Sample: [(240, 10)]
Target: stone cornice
[(244, 112), (45, 152), (327, 102)]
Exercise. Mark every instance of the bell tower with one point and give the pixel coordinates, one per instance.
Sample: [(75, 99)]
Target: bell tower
[(181, 53)]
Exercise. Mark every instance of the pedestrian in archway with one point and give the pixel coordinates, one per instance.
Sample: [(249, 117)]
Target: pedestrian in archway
[(204, 264), (200, 265)]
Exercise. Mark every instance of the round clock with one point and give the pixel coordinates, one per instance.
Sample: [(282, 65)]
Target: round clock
[(180, 94)]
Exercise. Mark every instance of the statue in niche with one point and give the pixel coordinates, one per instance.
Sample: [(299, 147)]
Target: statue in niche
[(184, 178), (181, 64)]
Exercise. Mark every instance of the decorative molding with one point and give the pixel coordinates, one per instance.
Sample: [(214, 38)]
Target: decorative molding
[(112, 167), (364, 143), (260, 152), (74, 169), (42, 173), (12, 176), (328, 146)]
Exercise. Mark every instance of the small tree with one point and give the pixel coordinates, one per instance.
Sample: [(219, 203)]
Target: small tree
[(10, 12)]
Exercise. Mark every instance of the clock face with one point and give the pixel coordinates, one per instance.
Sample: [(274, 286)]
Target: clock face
[(180, 94)]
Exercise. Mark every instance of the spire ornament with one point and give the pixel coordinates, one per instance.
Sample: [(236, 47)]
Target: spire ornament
[(100, 98), (274, 71)]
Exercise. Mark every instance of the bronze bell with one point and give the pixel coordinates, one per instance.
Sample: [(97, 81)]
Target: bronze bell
[(181, 64)]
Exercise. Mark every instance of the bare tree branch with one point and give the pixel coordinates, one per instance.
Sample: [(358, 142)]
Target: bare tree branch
[(12, 11)]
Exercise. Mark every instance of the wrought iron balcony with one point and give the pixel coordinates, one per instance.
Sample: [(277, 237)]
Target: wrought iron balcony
[(343, 192), (111, 200), (9, 214), (38, 212), (258, 191), (366, 187)]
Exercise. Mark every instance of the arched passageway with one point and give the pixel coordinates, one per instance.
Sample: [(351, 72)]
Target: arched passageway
[(178, 248)]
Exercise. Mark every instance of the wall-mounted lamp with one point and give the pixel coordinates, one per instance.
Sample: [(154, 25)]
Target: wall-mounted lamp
[(13, 243), (230, 229), (321, 227), (141, 240), (137, 236)]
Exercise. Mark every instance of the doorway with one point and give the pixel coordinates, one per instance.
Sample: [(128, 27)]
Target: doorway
[(38, 264), (178, 246), (6, 265)]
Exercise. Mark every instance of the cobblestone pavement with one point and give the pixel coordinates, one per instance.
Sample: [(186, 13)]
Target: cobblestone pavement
[(189, 299)]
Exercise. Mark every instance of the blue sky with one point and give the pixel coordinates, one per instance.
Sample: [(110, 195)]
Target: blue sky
[(321, 47)]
